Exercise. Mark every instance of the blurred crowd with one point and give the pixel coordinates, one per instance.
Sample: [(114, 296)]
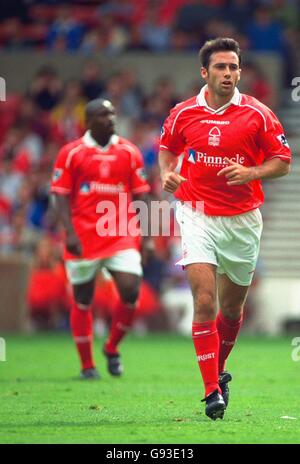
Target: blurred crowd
[(34, 126), (114, 26)]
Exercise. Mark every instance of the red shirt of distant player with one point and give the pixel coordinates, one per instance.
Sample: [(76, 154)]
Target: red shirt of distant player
[(97, 178), (244, 130)]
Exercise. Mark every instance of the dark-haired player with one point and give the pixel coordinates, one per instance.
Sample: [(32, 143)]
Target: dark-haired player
[(230, 143)]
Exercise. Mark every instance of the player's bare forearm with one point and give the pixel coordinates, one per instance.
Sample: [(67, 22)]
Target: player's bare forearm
[(271, 169), (145, 214), (62, 208), (237, 174), (148, 246), (167, 163)]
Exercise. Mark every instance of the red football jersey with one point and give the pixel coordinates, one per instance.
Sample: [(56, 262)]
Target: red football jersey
[(244, 130), (100, 182)]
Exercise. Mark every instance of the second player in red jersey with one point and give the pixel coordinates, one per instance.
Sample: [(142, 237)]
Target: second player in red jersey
[(90, 174), (96, 174)]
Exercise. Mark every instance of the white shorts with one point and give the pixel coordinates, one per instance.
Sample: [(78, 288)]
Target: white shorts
[(229, 242), (80, 271)]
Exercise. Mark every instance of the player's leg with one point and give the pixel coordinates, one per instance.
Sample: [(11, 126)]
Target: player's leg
[(82, 327), (82, 277), (202, 280), (237, 262), (126, 269), (128, 286), (232, 298)]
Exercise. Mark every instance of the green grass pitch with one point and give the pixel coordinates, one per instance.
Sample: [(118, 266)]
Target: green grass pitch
[(158, 399)]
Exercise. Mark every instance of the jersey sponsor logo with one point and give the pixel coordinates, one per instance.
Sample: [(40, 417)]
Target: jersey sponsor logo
[(213, 161), (205, 357), (214, 137), (215, 122), (57, 173), (85, 188), (282, 139), (192, 156), (90, 187)]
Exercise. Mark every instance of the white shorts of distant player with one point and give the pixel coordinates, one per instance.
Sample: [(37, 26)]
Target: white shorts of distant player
[(229, 242), (80, 271)]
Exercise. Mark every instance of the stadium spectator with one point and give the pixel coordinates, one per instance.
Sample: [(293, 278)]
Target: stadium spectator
[(194, 15), (239, 13), (46, 88), (256, 85), (122, 90), (65, 33), (68, 116), (264, 32), (91, 82), (12, 35), (155, 35)]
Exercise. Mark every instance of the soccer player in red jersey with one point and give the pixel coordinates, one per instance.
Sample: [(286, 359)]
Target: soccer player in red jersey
[(95, 179), (230, 142)]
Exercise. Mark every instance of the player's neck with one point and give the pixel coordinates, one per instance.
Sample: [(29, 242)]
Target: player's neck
[(101, 140), (215, 101)]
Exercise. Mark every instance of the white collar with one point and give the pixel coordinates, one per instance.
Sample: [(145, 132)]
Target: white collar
[(235, 100), (90, 142)]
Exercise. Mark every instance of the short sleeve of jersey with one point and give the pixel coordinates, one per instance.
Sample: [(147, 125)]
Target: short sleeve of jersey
[(138, 182), (61, 178), (272, 140), (171, 139)]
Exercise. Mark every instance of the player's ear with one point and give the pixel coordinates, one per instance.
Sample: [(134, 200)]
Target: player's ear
[(204, 73)]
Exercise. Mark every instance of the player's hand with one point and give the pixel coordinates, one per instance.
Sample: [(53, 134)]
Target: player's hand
[(73, 244), (171, 181), (236, 173)]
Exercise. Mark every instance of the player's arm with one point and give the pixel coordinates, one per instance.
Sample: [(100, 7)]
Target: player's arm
[(63, 211), (148, 246), (236, 174), (167, 163)]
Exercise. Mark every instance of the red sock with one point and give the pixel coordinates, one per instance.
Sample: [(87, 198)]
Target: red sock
[(82, 330), (206, 342), (228, 331), (121, 323)]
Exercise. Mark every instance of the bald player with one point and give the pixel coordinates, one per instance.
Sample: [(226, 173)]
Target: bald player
[(90, 175)]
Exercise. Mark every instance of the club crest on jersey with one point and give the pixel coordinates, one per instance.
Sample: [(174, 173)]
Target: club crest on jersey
[(192, 156), (282, 139), (214, 137), (85, 188), (104, 169), (57, 174)]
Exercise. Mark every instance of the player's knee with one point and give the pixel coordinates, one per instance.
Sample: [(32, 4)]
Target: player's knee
[(129, 293), (83, 297), (205, 306), (233, 311)]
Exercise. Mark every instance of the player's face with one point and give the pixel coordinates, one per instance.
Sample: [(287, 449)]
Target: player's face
[(103, 121), (223, 73)]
